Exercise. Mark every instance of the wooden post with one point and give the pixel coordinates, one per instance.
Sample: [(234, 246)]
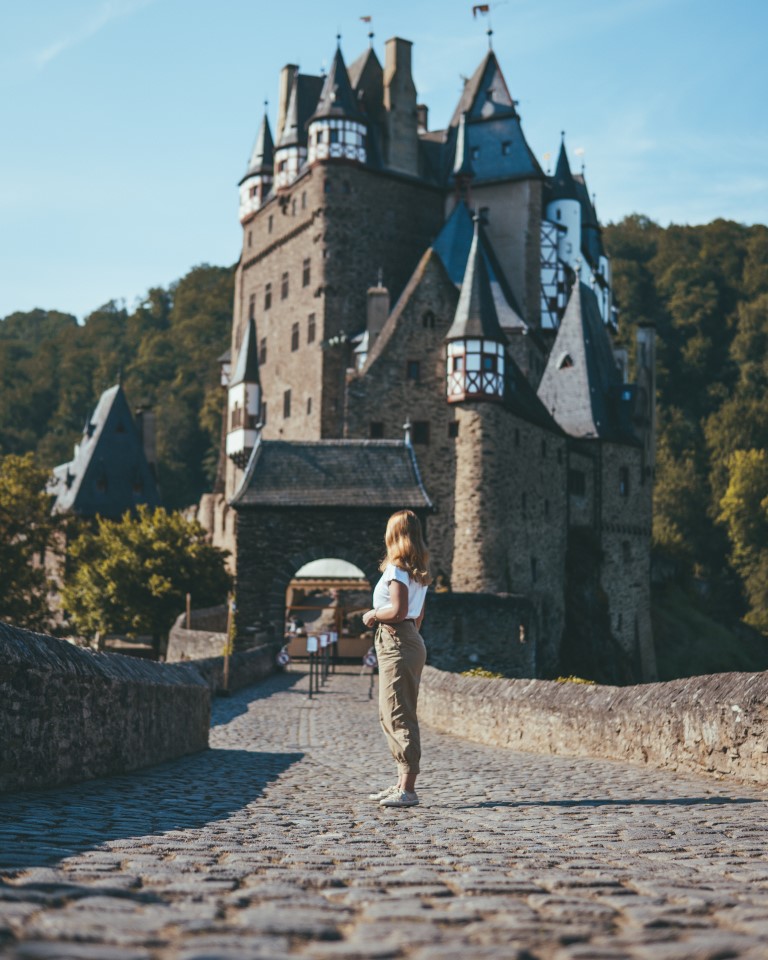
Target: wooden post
[(189, 611), (228, 644)]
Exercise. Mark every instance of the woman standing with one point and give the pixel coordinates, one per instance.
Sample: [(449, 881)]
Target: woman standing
[(398, 610)]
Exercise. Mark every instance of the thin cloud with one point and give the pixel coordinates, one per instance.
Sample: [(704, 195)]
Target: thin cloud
[(109, 10)]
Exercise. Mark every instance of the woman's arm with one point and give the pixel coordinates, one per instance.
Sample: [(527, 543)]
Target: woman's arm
[(395, 611), (420, 618)]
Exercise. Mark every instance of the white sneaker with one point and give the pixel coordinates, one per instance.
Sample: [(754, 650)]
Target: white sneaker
[(400, 798), (383, 794)]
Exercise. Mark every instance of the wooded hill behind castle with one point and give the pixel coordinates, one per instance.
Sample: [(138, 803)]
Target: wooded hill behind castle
[(705, 287)]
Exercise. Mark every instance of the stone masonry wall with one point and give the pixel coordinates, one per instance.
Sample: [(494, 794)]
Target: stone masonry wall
[(625, 539), (68, 714), (466, 630), (713, 724), (510, 505), (383, 394)]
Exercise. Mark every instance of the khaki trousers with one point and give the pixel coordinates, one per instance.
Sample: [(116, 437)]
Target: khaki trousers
[(401, 654)]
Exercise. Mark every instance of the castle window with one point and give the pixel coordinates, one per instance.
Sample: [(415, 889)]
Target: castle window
[(543, 449), (309, 405), (305, 273), (304, 200), (267, 296), (421, 432), (624, 481), (263, 351), (546, 508), (626, 551), (250, 238), (311, 326), (295, 337), (517, 437), (120, 428), (269, 223), (506, 148), (619, 622), (252, 306), (523, 502), (558, 214), (284, 286), (453, 429), (534, 570), (577, 483), (328, 186), (413, 370), (334, 136), (428, 320), (101, 483), (263, 413), (286, 404), (484, 213), (560, 455), (238, 338), (565, 361), (293, 207), (377, 430), (475, 152)]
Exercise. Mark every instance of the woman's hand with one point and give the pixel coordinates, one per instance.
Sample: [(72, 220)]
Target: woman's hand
[(369, 618)]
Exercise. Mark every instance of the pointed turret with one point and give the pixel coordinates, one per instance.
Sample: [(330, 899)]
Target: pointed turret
[(563, 185), (291, 150), (462, 165), (244, 400), (581, 386), (257, 182), (337, 128), (476, 344)]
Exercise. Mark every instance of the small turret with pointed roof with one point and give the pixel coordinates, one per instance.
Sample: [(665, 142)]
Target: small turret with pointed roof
[(563, 186), (337, 128), (244, 400), (257, 182), (462, 166), (476, 344)]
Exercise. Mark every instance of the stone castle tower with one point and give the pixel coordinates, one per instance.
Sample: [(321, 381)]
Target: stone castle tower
[(390, 275)]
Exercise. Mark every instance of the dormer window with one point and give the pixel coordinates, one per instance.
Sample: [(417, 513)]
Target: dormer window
[(565, 362), (506, 148), (475, 153)]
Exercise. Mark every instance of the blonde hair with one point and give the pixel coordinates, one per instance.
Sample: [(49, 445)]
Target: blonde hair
[(405, 546)]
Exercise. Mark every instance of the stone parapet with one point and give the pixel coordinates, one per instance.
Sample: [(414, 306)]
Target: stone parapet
[(69, 714), (245, 667), (712, 724)]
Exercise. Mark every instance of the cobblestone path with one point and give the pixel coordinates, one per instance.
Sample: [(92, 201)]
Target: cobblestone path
[(265, 847)]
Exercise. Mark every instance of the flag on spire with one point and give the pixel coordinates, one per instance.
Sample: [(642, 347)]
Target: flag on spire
[(480, 8)]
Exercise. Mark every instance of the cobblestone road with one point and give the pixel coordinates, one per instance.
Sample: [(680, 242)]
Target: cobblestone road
[(265, 847)]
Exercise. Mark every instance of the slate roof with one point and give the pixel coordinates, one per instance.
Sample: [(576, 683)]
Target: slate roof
[(453, 244), (336, 98), (563, 185), (109, 473), (581, 386), (247, 369), (302, 102), (263, 153), (485, 94), (462, 163), (476, 314), (354, 474), (591, 235)]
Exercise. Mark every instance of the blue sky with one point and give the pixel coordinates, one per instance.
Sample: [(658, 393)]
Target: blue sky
[(126, 124)]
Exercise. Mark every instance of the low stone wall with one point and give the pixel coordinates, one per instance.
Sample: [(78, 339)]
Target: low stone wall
[(245, 667), (206, 638), (464, 630), (69, 714), (714, 724)]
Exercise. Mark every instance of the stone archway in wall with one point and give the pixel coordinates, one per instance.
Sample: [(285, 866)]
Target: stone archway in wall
[(288, 569)]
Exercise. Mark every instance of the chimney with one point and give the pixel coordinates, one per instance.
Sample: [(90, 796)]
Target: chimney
[(287, 76), (402, 151), (377, 312), (145, 421), (422, 115)]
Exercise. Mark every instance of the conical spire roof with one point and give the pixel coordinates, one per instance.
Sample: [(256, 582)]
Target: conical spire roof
[(476, 314), (247, 369), (563, 183), (581, 382), (263, 153), (462, 166), (336, 97), (485, 94)]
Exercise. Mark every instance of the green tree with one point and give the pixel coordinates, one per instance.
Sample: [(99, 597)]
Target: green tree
[(130, 576), (27, 532), (744, 511)]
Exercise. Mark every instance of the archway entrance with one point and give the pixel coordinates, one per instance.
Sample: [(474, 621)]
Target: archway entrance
[(328, 596)]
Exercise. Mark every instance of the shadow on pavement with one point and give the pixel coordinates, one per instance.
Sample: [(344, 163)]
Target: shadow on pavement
[(226, 708), (42, 827), (606, 802)]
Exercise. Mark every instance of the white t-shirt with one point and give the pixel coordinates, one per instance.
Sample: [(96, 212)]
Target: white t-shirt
[(416, 591)]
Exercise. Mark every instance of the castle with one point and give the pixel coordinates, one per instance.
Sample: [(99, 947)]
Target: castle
[(424, 318)]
